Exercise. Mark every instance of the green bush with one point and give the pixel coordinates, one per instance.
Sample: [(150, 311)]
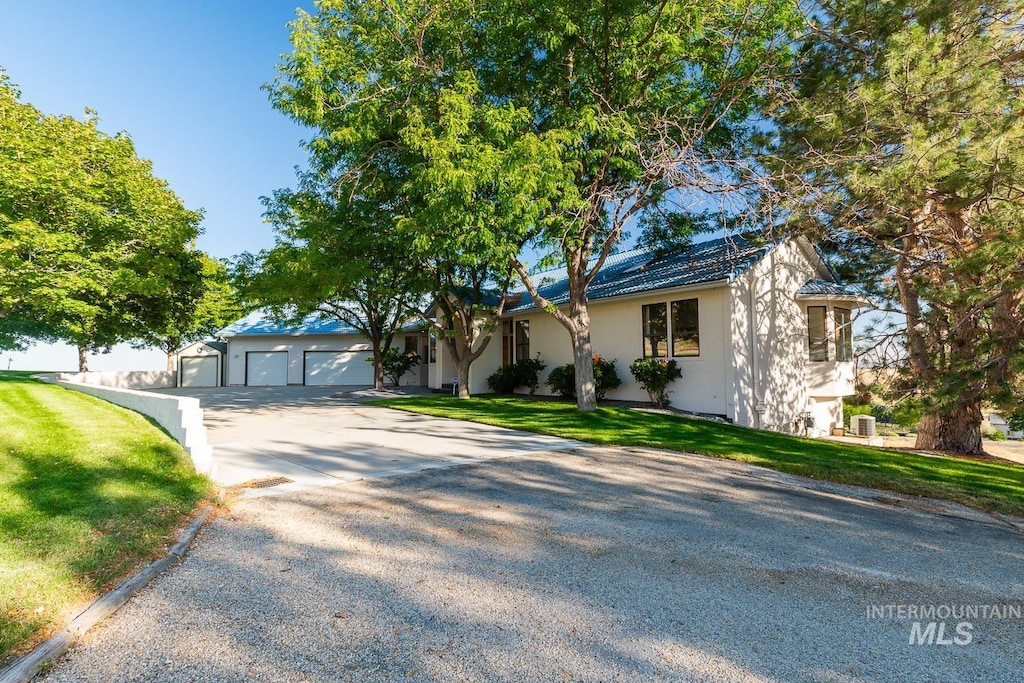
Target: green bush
[(851, 410), (562, 379), (397, 363), (524, 373), (907, 412), (995, 435), (654, 375)]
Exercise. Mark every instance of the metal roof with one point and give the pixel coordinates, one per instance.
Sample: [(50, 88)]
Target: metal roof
[(816, 287), (261, 322), (647, 270)]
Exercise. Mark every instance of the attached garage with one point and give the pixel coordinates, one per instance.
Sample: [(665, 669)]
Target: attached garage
[(331, 368), (266, 368), (200, 371)]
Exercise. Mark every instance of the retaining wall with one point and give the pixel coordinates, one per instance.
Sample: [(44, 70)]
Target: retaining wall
[(181, 416), (135, 379)]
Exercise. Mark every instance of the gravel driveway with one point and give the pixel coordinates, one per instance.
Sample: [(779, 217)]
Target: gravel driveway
[(595, 565)]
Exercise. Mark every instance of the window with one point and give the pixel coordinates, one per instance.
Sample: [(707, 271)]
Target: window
[(522, 339), (844, 335), (507, 344), (655, 330), (817, 341), (685, 330), (412, 345), (432, 349)]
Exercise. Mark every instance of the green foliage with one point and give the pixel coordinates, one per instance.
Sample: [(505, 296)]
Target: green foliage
[(94, 249), (994, 435), (907, 412), (523, 373), (654, 375), (552, 123), (992, 486), (562, 379), (909, 137), (396, 363)]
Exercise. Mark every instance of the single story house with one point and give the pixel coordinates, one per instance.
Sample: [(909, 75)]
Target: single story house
[(761, 330)]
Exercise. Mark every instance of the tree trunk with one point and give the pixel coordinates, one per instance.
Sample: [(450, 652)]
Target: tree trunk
[(378, 368), (957, 429), (462, 374), (583, 356), (83, 359), (172, 361)]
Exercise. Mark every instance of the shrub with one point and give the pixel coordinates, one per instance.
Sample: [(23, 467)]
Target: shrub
[(654, 375), (396, 363), (994, 435), (907, 412), (562, 379), (851, 410), (524, 373)]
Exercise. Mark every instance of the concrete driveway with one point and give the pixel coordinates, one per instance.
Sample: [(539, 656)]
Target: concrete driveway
[(320, 436)]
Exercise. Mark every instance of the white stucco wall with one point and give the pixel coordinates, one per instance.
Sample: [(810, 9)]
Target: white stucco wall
[(781, 380), (617, 334), (132, 379), (295, 346)]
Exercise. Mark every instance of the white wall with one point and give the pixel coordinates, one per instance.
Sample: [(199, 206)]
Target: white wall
[(132, 379), (295, 346), (617, 334)]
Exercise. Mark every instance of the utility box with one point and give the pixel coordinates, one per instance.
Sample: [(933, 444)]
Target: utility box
[(862, 425)]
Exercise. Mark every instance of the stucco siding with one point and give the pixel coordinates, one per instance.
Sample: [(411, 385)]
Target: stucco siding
[(293, 346)]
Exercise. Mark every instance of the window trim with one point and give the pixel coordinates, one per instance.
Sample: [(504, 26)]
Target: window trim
[(822, 344), (522, 325), (843, 334), (644, 336), (672, 327)]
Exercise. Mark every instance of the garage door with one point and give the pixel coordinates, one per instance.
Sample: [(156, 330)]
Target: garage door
[(266, 369), (329, 368), (199, 371)]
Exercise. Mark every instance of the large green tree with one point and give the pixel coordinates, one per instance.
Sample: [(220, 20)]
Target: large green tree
[(907, 125), (217, 306), (340, 257), (593, 114), (93, 248)]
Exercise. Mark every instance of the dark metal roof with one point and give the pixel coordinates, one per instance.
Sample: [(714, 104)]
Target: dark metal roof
[(816, 287), (647, 270)]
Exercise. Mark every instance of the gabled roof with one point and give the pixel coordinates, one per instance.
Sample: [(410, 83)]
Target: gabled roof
[(261, 322), (647, 270)]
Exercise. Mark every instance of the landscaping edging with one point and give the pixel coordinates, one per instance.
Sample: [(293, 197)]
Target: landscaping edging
[(25, 668), (181, 416)]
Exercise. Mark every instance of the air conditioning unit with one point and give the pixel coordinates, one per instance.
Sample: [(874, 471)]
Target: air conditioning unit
[(862, 425)]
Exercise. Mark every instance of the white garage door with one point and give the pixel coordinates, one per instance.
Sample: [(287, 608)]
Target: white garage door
[(266, 368), (199, 371), (329, 368)]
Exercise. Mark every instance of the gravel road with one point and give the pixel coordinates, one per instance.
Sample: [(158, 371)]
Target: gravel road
[(597, 565)]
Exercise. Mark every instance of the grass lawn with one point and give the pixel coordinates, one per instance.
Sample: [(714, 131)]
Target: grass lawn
[(88, 490), (986, 485)]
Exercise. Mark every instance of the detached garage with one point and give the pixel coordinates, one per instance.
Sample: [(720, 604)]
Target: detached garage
[(316, 352), (201, 364)]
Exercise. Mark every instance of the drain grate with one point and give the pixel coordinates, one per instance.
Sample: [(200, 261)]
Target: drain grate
[(264, 483)]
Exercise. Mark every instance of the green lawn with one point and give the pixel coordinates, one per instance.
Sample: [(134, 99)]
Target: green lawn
[(986, 485), (87, 492)]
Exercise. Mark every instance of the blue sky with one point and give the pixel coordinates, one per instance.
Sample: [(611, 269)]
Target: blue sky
[(183, 79)]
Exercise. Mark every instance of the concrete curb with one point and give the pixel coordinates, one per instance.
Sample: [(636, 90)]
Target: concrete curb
[(26, 667)]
